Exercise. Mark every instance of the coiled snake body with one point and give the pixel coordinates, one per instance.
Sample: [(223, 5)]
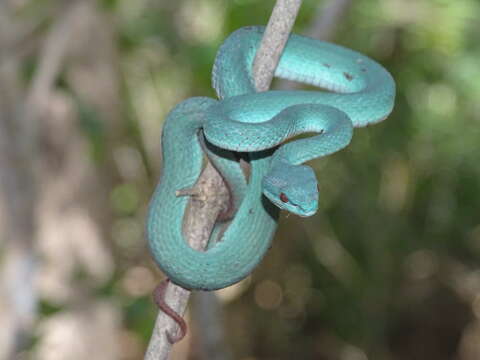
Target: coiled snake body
[(361, 92)]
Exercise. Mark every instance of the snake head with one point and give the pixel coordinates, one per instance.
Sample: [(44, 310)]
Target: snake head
[(292, 188)]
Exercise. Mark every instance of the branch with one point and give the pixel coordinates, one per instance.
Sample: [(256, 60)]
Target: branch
[(200, 219), (274, 40), (208, 317), (50, 64), (327, 19), (202, 215), (23, 43)]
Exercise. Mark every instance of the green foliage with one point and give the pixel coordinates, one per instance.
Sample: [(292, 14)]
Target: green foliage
[(93, 127)]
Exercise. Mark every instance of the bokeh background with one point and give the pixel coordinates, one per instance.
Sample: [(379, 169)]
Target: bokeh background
[(387, 270)]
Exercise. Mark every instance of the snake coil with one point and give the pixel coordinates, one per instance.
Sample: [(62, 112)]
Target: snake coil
[(359, 92)]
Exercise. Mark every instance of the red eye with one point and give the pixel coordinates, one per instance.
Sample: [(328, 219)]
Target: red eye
[(283, 197)]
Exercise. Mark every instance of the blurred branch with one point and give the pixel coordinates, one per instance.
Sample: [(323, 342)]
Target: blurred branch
[(327, 19), (17, 303), (203, 214), (24, 43), (18, 155), (51, 60), (208, 317)]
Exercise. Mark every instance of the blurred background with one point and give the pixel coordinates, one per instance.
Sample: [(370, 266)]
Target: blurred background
[(388, 269)]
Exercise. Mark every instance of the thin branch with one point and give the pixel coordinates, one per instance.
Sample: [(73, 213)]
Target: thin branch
[(24, 43), (202, 215), (274, 40), (327, 19), (200, 219), (50, 64), (208, 316)]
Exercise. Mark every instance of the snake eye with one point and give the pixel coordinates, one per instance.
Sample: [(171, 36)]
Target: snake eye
[(283, 197)]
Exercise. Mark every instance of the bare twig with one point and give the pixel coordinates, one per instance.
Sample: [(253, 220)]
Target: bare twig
[(274, 40), (49, 66), (24, 43), (197, 228), (327, 19), (207, 315)]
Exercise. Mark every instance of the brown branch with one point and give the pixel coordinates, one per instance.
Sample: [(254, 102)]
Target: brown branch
[(327, 19), (208, 316), (274, 39), (197, 228), (200, 219), (52, 56)]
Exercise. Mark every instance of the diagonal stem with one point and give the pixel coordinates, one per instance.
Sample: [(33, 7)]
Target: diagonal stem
[(273, 42), (197, 228)]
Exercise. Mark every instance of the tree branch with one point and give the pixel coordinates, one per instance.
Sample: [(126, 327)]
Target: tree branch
[(200, 219), (327, 19), (202, 215), (208, 316), (274, 39)]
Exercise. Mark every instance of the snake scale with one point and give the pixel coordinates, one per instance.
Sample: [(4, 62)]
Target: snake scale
[(358, 92)]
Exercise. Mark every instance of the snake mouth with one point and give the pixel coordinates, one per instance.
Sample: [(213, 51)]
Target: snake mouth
[(295, 209), (306, 211), (307, 214), (299, 211)]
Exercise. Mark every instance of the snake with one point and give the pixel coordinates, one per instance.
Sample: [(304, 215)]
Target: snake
[(275, 132)]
